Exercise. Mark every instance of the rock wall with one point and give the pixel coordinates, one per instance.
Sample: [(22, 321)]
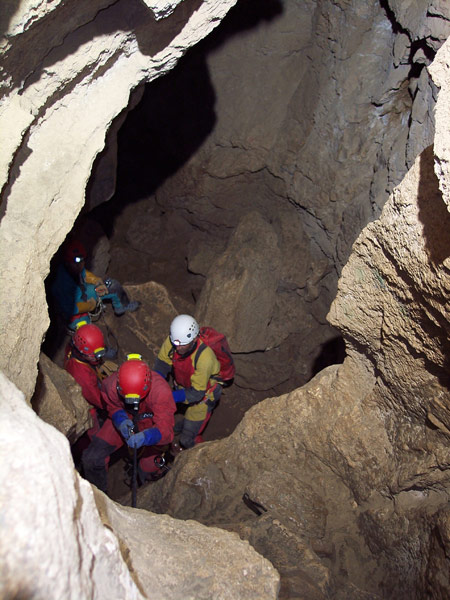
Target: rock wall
[(308, 115), (61, 532), (61, 538), (67, 71), (266, 142), (344, 483)]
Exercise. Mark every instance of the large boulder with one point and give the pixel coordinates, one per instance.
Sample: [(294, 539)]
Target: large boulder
[(60, 538), (58, 400)]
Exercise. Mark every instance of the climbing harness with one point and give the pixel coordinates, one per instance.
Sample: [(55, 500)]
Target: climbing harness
[(161, 463), (98, 311)]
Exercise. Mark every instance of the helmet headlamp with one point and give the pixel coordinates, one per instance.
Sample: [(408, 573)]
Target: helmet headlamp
[(134, 378), (99, 353)]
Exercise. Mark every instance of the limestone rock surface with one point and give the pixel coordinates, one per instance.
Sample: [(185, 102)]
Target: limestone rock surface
[(440, 73), (257, 305), (343, 484), (58, 400), (142, 331), (369, 437), (284, 478), (55, 547), (76, 543), (312, 130), (252, 262), (401, 262), (56, 106), (220, 565)]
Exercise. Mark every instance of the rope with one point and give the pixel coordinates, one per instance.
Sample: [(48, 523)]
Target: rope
[(97, 312), (108, 331), (134, 481)]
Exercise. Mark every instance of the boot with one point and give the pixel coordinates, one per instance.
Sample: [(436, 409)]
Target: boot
[(130, 307)]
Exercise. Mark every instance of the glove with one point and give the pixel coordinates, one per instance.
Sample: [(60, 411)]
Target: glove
[(123, 423), (148, 437), (179, 395), (87, 305), (137, 440), (101, 289), (126, 428)]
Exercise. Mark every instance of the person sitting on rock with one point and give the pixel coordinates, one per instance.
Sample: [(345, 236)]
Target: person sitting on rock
[(195, 371), (77, 291), (141, 409)]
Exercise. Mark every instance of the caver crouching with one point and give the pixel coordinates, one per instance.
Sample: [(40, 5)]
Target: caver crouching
[(77, 291), (140, 404)]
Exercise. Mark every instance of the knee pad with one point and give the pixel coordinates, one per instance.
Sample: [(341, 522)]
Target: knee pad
[(189, 433), (178, 428)]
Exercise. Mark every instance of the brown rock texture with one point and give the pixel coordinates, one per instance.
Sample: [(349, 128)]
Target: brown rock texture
[(58, 400), (57, 103), (308, 115), (344, 483), (55, 547), (60, 538), (219, 564), (401, 262)]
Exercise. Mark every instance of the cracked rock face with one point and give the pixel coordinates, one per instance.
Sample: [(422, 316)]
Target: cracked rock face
[(74, 543), (363, 447), (342, 484), (67, 71), (298, 120), (36, 463), (57, 103)]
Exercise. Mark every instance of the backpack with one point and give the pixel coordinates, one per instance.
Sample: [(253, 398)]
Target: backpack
[(219, 344)]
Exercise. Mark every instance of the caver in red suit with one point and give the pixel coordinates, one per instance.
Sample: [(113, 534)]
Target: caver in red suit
[(83, 358), (140, 404)]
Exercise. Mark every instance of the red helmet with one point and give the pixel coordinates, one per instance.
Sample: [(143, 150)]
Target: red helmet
[(134, 379), (89, 341), (74, 251)]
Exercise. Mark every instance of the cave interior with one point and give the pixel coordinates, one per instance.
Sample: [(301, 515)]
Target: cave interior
[(177, 206)]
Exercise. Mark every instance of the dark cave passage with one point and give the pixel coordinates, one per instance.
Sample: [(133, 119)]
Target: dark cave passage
[(150, 239), (153, 235)]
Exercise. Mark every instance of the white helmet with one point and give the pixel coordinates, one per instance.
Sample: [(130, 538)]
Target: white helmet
[(183, 330)]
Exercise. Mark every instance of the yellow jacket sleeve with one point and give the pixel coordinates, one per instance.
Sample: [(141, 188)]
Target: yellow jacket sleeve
[(164, 351), (87, 306), (91, 278), (207, 367)]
